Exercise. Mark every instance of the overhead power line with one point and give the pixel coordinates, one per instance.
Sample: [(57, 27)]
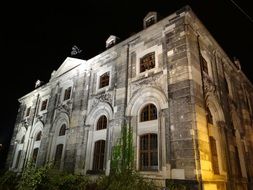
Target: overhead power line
[(242, 11)]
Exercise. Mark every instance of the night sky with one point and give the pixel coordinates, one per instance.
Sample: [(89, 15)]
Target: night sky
[(37, 37)]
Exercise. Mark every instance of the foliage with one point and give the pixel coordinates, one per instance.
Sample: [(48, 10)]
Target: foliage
[(8, 180), (122, 175), (173, 186), (32, 177), (40, 178), (123, 152), (126, 180), (65, 181)]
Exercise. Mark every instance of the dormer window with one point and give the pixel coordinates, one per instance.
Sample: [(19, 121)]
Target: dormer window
[(150, 19), (147, 62), (111, 41)]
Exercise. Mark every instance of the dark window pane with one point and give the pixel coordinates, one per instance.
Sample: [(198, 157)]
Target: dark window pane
[(99, 153), (209, 116), (102, 123), (38, 136), (67, 93), (150, 21), (58, 155), (62, 130), (204, 64), (22, 140), (214, 155), (35, 154), (147, 62), (149, 112), (18, 158), (104, 80), (28, 112), (148, 152), (238, 171), (43, 105)]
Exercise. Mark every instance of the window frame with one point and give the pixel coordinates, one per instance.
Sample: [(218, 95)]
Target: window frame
[(58, 155), (214, 155), (150, 21), (148, 151), (38, 136), (99, 155), (145, 62), (17, 161), (67, 93), (101, 123), (28, 112), (34, 157), (43, 106), (204, 64), (61, 132), (103, 80), (150, 114)]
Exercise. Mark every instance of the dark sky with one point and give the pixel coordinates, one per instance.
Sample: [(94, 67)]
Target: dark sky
[(37, 37)]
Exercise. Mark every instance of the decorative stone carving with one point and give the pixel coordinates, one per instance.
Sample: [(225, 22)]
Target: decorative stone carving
[(107, 97), (147, 81), (208, 85)]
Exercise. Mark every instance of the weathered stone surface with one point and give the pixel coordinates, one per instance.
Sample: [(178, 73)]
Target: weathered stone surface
[(203, 116)]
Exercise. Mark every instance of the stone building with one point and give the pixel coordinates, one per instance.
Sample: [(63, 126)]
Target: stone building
[(189, 105)]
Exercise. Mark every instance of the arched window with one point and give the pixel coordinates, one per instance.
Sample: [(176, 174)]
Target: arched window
[(99, 154), (58, 155), (209, 116), (22, 140), (62, 130), (102, 123), (38, 137), (214, 154), (35, 154), (18, 158), (148, 152), (226, 85), (149, 112)]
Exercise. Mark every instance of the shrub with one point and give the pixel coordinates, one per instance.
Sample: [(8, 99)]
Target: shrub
[(8, 180), (126, 180)]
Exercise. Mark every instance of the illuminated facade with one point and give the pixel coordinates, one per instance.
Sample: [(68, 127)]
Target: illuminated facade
[(190, 108)]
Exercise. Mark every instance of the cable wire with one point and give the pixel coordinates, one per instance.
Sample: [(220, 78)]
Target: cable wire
[(242, 11)]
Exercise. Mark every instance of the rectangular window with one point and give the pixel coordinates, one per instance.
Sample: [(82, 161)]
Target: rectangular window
[(104, 80), (35, 154), (148, 152), (28, 111), (58, 155), (214, 155), (67, 94), (43, 105), (238, 171), (147, 62), (99, 153), (18, 159)]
